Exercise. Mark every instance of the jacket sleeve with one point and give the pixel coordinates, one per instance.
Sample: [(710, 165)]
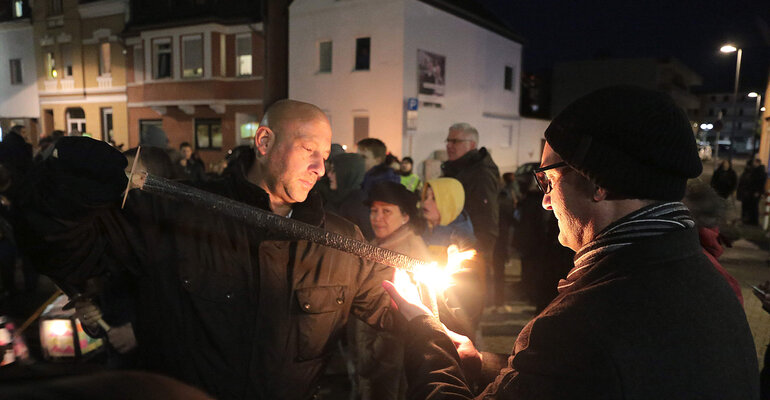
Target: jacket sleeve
[(482, 205)]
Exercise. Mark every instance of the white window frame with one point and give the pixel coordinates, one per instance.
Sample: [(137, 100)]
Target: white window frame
[(102, 70), (18, 68), (320, 57), (138, 63), (155, 54)]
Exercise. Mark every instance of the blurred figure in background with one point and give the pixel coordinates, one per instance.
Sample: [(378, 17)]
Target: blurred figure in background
[(192, 168), (507, 201), (409, 179), (397, 225), (724, 180), (750, 188), (345, 196), (373, 151)]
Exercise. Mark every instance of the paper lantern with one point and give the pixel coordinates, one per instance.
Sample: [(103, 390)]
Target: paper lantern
[(61, 335)]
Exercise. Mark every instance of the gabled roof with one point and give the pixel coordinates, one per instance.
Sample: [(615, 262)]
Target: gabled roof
[(475, 13)]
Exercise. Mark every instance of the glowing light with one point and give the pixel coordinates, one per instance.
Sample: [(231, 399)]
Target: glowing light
[(345, 147), (54, 73), (438, 278), (60, 327), (753, 94), (762, 109), (728, 48)]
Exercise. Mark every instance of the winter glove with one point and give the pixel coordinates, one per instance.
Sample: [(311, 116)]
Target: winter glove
[(122, 338), (88, 314)]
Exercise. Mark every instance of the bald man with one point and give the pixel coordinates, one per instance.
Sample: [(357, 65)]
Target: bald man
[(233, 310)]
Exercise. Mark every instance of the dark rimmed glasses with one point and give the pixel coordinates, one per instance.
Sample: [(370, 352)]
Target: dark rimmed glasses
[(541, 178)]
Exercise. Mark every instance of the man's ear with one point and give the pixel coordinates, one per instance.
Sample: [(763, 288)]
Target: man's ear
[(264, 140), (600, 194)]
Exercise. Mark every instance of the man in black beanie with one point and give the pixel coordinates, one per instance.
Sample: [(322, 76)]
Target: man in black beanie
[(643, 314)]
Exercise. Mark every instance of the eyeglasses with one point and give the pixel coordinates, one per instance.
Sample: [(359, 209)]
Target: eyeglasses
[(542, 179), (455, 141)]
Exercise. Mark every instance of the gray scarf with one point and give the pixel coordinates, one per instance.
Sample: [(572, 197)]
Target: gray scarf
[(653, 220)]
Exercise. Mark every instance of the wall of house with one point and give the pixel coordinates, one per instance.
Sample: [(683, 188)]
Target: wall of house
[(19, 100), (345, 93), (475, 61)]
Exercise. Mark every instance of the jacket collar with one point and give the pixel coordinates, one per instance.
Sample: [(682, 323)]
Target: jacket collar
[(309, 211), (471, 157)]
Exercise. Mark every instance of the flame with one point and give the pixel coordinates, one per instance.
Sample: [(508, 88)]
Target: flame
[(440, 279), (60, 327)]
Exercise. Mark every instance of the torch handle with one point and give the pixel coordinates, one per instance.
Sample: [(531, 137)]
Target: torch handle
[(287, 228), (104, 325)]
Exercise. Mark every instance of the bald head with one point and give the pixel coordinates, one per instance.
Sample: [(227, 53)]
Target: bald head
[(283, 115)]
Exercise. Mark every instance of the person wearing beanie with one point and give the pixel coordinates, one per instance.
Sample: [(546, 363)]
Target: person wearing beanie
[(344, 196), (643, 314)]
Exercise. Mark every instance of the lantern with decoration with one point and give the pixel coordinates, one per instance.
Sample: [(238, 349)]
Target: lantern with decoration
[(62, 336)]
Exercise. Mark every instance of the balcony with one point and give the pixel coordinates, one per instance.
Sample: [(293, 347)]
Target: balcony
[(104, 81)]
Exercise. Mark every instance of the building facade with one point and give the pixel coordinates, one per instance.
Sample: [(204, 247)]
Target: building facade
[(18, 83), (81, 72), (362, 61), (195, 71), (740, 126)]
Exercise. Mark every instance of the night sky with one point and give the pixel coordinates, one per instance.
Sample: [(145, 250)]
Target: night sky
[(689, 30)]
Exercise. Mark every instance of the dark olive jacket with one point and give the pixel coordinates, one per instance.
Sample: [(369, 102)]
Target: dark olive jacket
[(237, 311), (481, 180), (653, 320)]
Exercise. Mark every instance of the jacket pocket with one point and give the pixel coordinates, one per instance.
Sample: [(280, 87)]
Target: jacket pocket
[(320, 313)]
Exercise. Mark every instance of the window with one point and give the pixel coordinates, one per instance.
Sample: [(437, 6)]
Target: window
[(325, 56), (208, 134), (105, 64), (362, 53), (66, 55), (360, 128), (740, 111), (247, 127), (145, 124), (107, 125), (162, 50), (16, 71), (192, 56), (54, 7), (508, 83), (243, 55), (138, 64), (18, 8), (222, 55), (50, 65)]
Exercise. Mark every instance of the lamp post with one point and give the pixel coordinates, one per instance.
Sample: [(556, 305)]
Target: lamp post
[(729, 48), (757, 119)]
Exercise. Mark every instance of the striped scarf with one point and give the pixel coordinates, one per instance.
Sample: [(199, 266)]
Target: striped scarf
[(653, 220)]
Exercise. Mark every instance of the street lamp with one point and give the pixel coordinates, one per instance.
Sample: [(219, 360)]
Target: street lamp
[(730, 48)]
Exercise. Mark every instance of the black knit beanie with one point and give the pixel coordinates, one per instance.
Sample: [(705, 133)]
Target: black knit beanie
[(634, 142)]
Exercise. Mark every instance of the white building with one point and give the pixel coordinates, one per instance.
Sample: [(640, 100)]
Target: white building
[(18, 81), (362, 60)]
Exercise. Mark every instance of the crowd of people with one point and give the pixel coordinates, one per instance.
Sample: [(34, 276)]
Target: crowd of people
[(621, 266)]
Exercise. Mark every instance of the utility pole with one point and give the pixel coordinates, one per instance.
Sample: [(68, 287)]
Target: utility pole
[(275, 20)]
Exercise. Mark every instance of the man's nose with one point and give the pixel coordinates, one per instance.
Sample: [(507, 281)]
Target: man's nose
[(547, 202), (317, 164)]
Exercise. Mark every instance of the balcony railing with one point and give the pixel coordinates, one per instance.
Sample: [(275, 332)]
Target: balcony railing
[(104, 82)]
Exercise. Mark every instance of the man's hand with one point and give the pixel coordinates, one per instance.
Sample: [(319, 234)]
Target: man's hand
[(765, 287), (122, 338), (404, 293), (470, 358), (88, 313)]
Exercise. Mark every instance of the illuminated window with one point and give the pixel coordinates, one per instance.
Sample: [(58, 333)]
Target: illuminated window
[(16, 71), (162, 50), (325, 56), (243, 55), (54, 7), (192, 56), (363, 47), (50, 65), (18, 9), (249, 130), (138, 64), (105, 63), (208, 133)]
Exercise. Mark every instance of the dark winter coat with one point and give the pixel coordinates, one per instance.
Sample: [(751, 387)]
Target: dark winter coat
[(237, 311), (724, 181), (376, 174), (481, 180), (654, 320)]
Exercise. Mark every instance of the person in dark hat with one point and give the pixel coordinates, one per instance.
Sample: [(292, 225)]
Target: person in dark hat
[(397, 225), (643, 314)]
